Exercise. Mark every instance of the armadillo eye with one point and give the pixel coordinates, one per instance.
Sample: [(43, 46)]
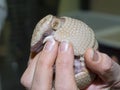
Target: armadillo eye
[(56, 24)]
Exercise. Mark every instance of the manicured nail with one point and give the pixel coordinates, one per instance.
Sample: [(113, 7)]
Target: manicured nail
[(64, 46), (49, 45)]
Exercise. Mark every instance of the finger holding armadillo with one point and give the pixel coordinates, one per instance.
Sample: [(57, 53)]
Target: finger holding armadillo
[(80, 35)]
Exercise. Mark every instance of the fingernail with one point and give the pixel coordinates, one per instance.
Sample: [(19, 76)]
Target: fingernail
[(49, 45), (94, 55), (64, 46), (91, 53)]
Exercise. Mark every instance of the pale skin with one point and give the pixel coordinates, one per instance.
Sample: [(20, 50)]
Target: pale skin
[(39, 73)]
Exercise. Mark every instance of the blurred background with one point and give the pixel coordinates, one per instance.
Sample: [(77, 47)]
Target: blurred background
[(19, 17)]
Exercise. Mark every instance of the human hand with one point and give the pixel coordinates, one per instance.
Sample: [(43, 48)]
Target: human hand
[(107, 70), (39, 73)]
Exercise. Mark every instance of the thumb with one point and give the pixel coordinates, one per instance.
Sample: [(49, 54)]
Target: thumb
[(103, 66)]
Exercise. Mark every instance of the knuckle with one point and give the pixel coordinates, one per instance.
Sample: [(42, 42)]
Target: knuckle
[(106, 69), (46, 60), (105, 72)]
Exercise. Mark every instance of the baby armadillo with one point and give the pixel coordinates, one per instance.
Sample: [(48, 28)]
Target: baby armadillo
[(80, 35)]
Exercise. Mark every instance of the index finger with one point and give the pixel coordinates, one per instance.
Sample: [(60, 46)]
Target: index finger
[(42, 79), (65, 79)]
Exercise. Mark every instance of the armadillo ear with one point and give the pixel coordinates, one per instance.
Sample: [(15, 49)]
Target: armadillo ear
[(56, 23), (46, 19)]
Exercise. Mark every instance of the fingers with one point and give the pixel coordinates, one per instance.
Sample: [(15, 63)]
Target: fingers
[(40, 70), (39, 73), (27, 77), (107, 69), (64, 79)]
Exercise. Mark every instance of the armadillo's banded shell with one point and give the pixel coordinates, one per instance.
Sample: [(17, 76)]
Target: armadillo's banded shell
[(78, 33), (67, 29)]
